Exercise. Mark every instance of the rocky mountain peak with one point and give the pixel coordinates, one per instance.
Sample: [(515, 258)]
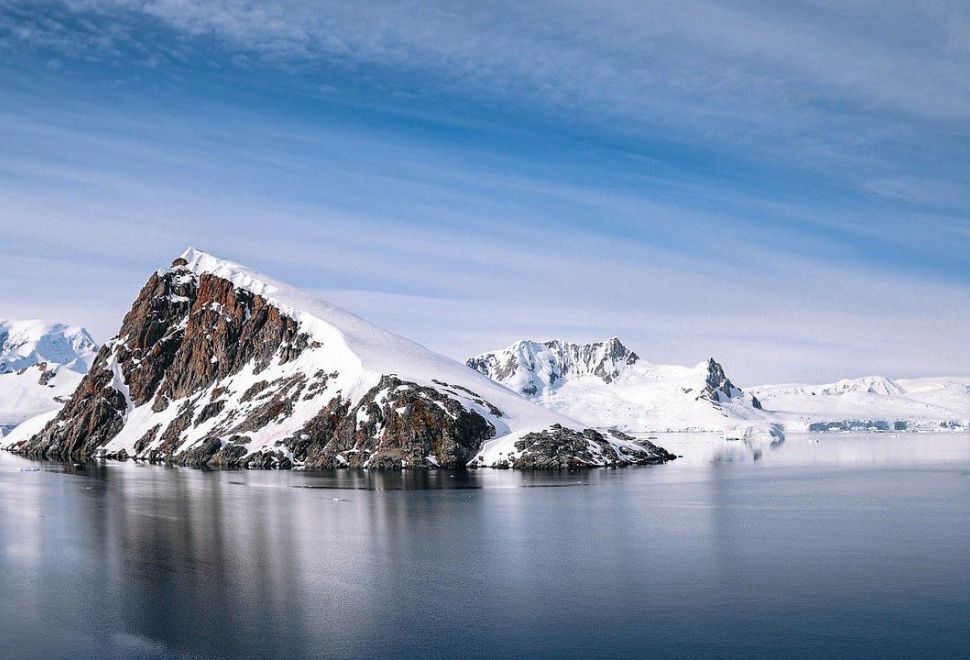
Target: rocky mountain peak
[(216, 364), (718, 387)]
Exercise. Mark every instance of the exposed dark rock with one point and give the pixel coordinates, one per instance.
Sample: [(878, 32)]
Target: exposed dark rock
[(559, 448), (254, 390), (182, 334), (171, 437), (147, 439), (717, 384), (396, 422), (201, 454), (209, 411), (92, 417), (45, 374)]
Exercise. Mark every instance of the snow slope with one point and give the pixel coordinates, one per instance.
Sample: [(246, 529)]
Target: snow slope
[(35, 390), (871, 402), (604, 384)]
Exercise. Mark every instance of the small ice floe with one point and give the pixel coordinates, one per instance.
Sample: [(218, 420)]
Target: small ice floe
[(28, 469), (340, 499)]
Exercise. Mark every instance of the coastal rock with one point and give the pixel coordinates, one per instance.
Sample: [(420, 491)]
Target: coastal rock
[(560, 448)]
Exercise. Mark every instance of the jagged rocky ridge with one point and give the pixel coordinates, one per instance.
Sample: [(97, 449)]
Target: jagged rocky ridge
[(217, 365), (606, 383)]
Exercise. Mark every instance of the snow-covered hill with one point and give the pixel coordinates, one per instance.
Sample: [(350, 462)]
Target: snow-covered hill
[(41, 364), (871, 402), (605, 384), (216, 364)]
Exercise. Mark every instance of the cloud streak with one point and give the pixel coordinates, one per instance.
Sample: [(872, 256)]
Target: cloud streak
[(786, 189)]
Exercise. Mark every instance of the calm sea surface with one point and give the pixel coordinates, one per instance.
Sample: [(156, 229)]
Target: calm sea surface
[(850, 545)]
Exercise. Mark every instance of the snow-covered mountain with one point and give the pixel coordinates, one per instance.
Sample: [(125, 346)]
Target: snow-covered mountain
[(871, 402), (26, 343), (41, 364), (216, 364), (606, 384)]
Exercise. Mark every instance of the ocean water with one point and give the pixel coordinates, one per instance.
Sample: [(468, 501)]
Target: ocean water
[(830, 545)]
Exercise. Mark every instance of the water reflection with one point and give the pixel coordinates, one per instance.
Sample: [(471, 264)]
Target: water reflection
[(681, 560)]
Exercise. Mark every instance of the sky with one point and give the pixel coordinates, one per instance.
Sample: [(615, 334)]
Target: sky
[(783, 186)]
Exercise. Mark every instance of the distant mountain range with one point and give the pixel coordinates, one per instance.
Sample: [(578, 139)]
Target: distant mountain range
[(873, 402), (26, 343), (601, 382)]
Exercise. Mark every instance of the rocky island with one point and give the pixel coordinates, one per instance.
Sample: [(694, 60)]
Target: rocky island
[(218, 365)]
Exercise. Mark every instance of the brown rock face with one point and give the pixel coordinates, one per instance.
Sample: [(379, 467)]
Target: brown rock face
[(182, 334), (396, 423)]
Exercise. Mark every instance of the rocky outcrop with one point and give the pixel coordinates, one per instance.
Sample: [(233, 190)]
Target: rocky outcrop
[(560, 448), (396, 424), (718, 387)]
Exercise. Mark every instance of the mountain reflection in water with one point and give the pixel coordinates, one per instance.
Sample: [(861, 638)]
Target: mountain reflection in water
[(828, 545)]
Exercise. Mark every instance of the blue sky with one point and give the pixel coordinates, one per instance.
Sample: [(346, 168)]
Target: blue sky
[(785, 187)]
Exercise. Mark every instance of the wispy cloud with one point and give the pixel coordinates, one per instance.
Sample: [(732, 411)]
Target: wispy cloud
[(785, 187)]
